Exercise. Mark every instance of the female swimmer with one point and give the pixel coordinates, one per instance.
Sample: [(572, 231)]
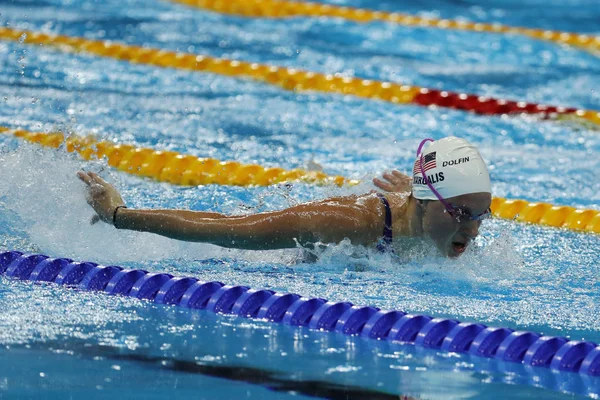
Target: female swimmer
[(451, 194)]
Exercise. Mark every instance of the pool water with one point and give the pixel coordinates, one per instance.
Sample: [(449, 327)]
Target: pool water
[(57, 342)]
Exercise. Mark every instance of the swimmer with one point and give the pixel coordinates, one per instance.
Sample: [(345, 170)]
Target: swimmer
[(451, 195)]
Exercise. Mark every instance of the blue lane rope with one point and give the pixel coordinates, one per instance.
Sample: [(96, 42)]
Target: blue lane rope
[(504, 344)]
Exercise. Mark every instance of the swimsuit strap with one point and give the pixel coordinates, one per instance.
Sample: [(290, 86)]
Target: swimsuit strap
[(386, 243)]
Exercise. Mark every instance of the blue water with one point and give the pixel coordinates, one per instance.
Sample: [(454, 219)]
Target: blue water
[(61, 343)]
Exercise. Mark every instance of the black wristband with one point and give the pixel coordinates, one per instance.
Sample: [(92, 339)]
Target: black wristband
[(115, 215)]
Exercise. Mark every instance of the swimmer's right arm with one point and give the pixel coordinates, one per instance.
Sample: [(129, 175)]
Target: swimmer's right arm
[(326, 221)]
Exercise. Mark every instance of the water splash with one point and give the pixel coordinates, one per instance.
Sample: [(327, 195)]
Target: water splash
[(42, 196)]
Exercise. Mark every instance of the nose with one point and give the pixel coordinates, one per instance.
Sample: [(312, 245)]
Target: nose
[(471, 229)]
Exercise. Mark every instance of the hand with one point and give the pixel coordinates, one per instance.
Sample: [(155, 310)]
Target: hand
[(102, 196), (396, 182)]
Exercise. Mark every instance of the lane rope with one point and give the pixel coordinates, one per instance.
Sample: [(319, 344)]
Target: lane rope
[(298, 80), (287, 9), (540, 213), (181, 169), (174, 167), (449, 335)]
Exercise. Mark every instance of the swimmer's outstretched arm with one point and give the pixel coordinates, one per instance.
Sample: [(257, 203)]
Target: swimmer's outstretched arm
[(307, 223), (327, 221)]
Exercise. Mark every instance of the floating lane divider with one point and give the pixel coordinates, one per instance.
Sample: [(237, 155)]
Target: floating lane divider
[(173, 167), (505, 344), (286, 9), (577, 219), (298, 80), (180, 169)]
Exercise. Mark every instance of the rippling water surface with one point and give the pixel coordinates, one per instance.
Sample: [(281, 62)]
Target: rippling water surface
[(524, 277)]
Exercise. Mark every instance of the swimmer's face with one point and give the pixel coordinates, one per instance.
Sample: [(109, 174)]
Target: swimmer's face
[(450, 235)]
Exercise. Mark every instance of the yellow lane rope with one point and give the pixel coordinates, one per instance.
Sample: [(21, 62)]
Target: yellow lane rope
[(577, 219), (286, 78), (284, 9), (180, 169), (173, 167)]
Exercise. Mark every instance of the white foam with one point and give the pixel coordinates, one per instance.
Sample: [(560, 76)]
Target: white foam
[(41, 190), (41, 194)]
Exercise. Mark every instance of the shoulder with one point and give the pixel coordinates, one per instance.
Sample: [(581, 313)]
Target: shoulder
[(398, 199), (367, 204), (398, 204), (361, 206), (394, 199)]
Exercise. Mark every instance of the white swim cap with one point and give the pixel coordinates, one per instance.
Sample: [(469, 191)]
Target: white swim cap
[(453, 166)]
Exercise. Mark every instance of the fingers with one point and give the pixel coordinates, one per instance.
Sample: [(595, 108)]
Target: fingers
[(91, 179), (390, 178), (94, 189), (383, 185), (399, 175), (96, 178), (84, 177)]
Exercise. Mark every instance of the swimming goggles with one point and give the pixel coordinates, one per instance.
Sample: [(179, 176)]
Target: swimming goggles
[(459, 213)]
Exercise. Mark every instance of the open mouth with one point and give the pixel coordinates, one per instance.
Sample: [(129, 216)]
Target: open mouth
[(459, 247)]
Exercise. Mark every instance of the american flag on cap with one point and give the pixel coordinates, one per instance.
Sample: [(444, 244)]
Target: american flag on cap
[(428, 163)]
